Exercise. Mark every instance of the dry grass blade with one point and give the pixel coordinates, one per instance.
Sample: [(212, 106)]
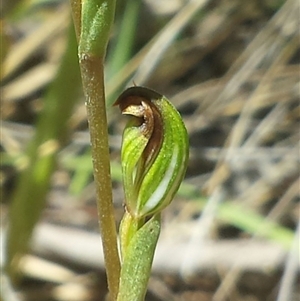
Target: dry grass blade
[(27, 47), (291, 270), (165, 38)]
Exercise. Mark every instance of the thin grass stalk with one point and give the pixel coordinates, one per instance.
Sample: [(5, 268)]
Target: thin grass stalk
[(95, 23)]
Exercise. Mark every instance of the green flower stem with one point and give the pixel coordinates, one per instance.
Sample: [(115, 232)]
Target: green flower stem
[(96, 19), (92, 78)]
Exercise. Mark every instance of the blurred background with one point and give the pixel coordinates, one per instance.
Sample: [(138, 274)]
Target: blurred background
[(232, 69)]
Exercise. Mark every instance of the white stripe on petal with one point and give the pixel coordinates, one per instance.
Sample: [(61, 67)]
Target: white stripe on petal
[(161, 189)]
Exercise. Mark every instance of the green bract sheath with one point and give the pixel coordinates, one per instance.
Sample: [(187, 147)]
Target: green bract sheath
[(154, 151), (137, 261)]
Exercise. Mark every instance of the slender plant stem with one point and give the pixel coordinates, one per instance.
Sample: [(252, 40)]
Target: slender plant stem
[(92, 21), (93, 84)]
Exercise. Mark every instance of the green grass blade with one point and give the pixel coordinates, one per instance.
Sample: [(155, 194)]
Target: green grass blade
[(30, 195)]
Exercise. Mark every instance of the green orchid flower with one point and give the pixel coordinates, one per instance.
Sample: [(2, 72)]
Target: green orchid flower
[(154, 151), (154, 160)]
